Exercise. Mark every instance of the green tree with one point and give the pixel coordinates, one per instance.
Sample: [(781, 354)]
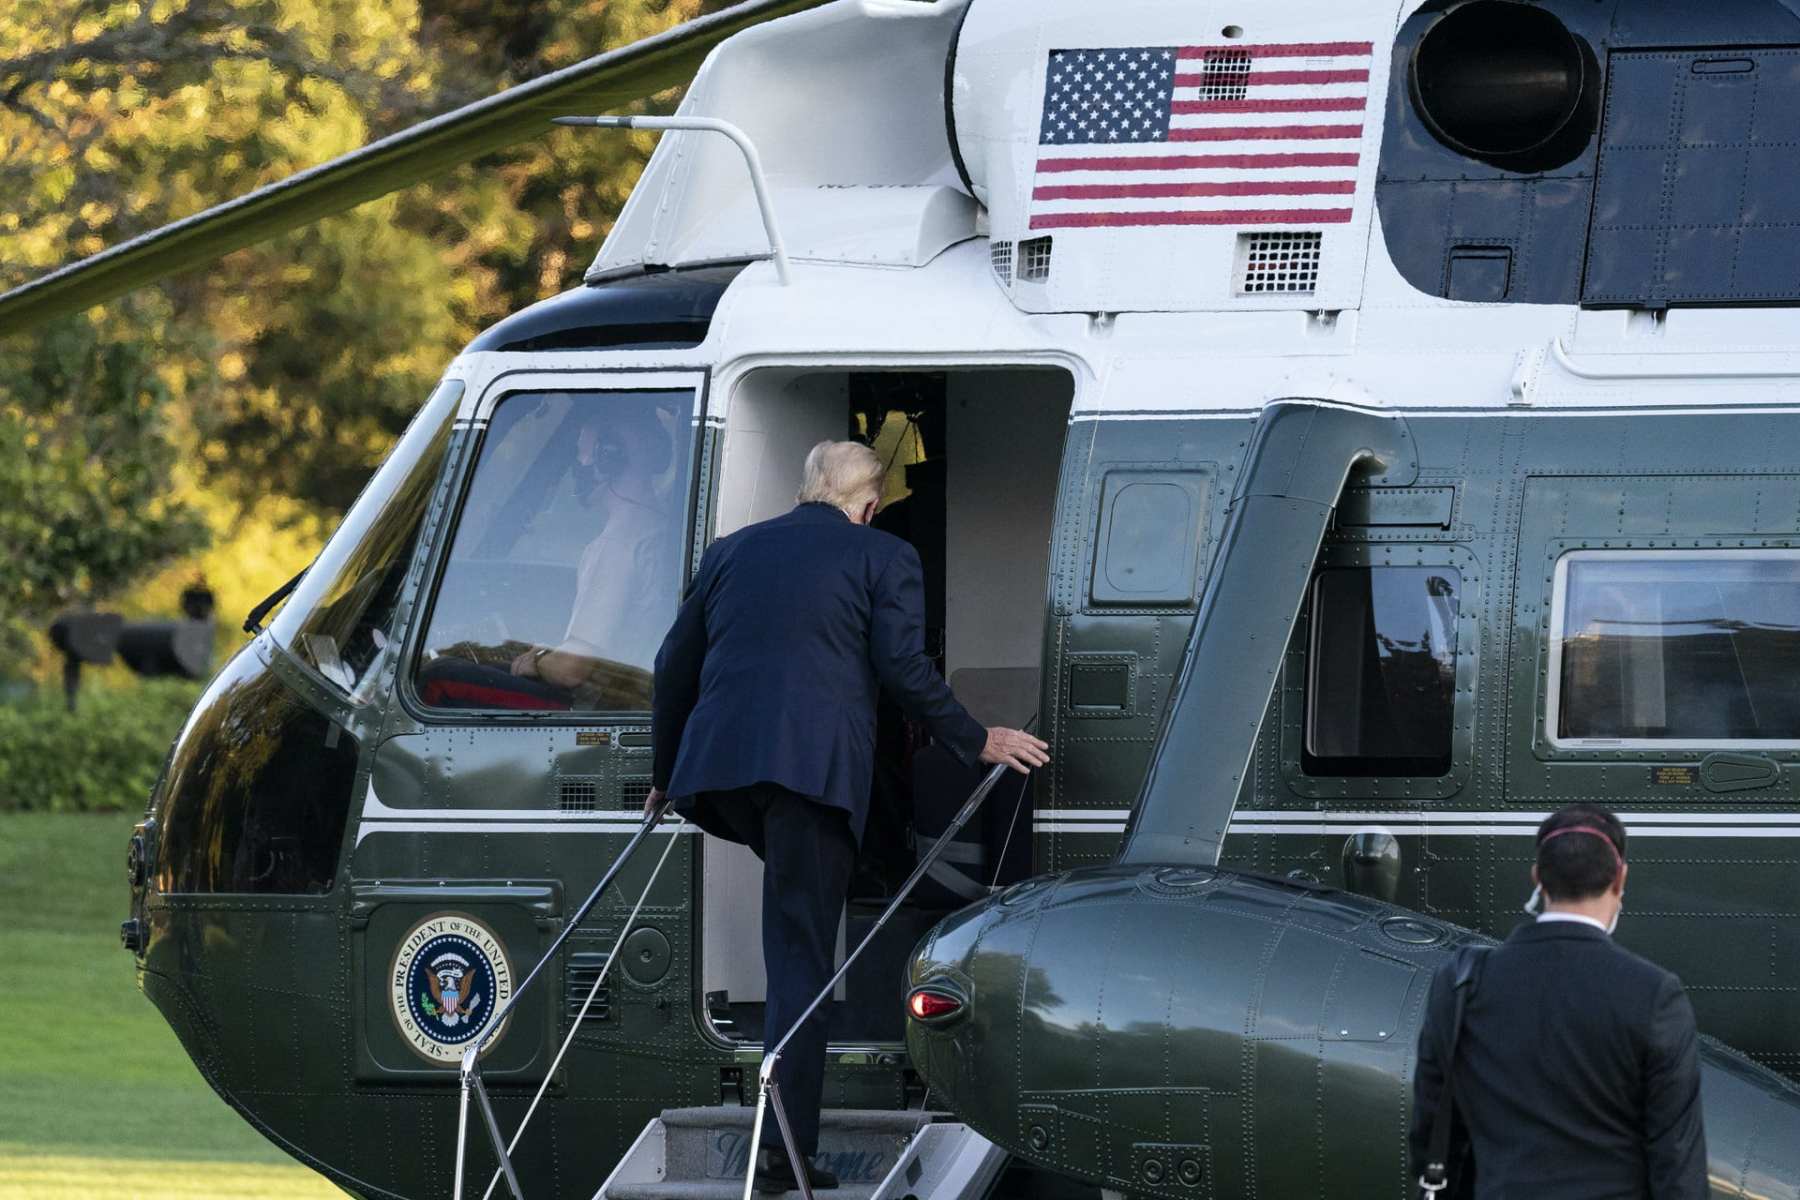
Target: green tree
[(285, 370), (85, 475)]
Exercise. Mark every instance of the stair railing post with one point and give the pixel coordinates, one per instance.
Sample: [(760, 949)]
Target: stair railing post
[(765, 1079), (787, 1136), (471, 1059), (493, 1128), (593, 991), (466, 1073)]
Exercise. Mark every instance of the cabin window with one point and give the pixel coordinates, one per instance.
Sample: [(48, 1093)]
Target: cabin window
[(566, 564), (1676, 647), (339, 620), (1381, 686)]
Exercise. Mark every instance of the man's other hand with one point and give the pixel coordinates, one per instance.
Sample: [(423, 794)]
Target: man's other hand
[(1016, 748), (652, 800)]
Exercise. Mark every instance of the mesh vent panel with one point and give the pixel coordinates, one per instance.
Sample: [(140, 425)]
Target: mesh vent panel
[(1276, 263), (578, 795), (1001, 255), (1034, 259), (1225, 75), (633, 791)]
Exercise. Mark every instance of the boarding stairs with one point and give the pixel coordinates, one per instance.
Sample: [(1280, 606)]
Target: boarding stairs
[(877, 1154), (927, 1157)]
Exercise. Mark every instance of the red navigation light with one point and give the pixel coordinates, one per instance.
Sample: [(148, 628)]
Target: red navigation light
[(929, 1005)]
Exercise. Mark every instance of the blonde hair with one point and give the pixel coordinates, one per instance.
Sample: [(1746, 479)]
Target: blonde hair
[(844, 475)]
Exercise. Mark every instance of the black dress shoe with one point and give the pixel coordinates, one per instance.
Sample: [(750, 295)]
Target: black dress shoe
[(775, 1174)]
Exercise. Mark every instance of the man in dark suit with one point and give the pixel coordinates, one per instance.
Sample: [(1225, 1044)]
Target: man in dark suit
[(764, 726), (1575, 1068)]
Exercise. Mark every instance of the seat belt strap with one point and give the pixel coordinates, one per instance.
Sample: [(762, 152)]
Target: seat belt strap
[(1436, 1176)]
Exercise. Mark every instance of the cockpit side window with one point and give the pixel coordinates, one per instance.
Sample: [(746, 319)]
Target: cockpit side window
[(339, 620), (1381, 675), (566, 566)]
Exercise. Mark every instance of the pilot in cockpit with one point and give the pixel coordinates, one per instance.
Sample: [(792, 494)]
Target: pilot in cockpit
[(589, 501), (621, 472)]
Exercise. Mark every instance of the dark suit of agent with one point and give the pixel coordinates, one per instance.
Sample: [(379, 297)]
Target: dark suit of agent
[(764, 726), (1577, 1075)]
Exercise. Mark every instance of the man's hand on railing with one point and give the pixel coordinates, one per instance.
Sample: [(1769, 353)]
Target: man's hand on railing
[(652, 800), (1016, 748)]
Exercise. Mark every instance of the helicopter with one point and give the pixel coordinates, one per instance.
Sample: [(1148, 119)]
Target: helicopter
[(1354, 429)]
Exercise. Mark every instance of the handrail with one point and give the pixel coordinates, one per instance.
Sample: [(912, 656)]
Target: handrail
[(1559, 353), (767, 1091), (759, 183), (470, 1072)]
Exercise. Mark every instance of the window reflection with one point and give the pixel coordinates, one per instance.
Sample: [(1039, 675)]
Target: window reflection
[(567, 561), (257, 790), (1381, 688), (339, 620), (1690, 645)]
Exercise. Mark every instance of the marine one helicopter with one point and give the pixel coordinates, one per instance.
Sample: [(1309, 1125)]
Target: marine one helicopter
[(1356, 428)]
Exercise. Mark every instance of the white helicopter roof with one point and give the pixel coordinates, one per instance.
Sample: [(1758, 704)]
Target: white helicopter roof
[(905, 246), (846, 105)]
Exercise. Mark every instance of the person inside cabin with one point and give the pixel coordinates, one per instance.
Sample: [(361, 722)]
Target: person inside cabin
[(590, 492), (1560, 1064), (624, 571), (763, 723)]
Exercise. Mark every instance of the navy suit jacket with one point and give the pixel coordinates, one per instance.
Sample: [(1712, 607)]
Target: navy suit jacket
[(771, 671), (1577, 1072)]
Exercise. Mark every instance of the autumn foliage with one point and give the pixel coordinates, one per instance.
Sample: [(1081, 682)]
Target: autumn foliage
[(220, 423)]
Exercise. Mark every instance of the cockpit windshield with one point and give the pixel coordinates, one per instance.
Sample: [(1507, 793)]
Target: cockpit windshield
[(339, 619), (567, 561)]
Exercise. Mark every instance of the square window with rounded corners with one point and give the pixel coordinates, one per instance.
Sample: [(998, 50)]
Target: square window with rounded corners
[(566, 564), (1675, 649), (1381, 672)]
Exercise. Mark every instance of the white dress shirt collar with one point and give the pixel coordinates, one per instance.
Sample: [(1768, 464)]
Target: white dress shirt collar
[(1569, 916)]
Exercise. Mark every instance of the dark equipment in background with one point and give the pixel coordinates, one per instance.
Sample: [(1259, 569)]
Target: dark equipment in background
[(181, 647)]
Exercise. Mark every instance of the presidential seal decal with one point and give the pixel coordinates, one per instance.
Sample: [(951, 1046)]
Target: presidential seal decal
[(450, 977)]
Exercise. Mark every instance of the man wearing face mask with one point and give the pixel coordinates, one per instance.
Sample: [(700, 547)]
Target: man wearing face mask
[(1565, 1065)]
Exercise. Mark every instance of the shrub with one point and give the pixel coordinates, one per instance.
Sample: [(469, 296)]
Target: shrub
[(102, 757)]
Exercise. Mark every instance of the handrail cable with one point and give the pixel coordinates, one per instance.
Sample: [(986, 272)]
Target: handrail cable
[(594, 991), (470, 1072)]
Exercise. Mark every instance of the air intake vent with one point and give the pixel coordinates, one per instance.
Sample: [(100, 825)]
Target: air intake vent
[(1034, 259), (633, 791), (578, 795), (584, 968), (1278, 263), (1001, 255), (1225, 74)]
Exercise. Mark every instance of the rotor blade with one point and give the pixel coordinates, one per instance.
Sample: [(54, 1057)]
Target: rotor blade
[(596, 85)]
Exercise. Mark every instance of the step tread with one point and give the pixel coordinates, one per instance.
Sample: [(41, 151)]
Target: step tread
[(847, 1120)]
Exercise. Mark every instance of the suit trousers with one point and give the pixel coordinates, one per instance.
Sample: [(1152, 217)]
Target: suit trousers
[(807, 851)]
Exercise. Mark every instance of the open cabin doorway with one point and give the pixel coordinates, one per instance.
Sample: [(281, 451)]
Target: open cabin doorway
[(973, 458)]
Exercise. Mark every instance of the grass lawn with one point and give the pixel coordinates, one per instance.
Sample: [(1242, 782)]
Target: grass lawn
[(96, 1096)]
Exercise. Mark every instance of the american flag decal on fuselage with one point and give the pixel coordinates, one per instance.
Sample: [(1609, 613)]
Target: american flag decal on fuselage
[(1201, 135)]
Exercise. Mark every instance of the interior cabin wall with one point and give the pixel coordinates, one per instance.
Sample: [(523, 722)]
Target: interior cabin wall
[(1007, 430), (774, 418)]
